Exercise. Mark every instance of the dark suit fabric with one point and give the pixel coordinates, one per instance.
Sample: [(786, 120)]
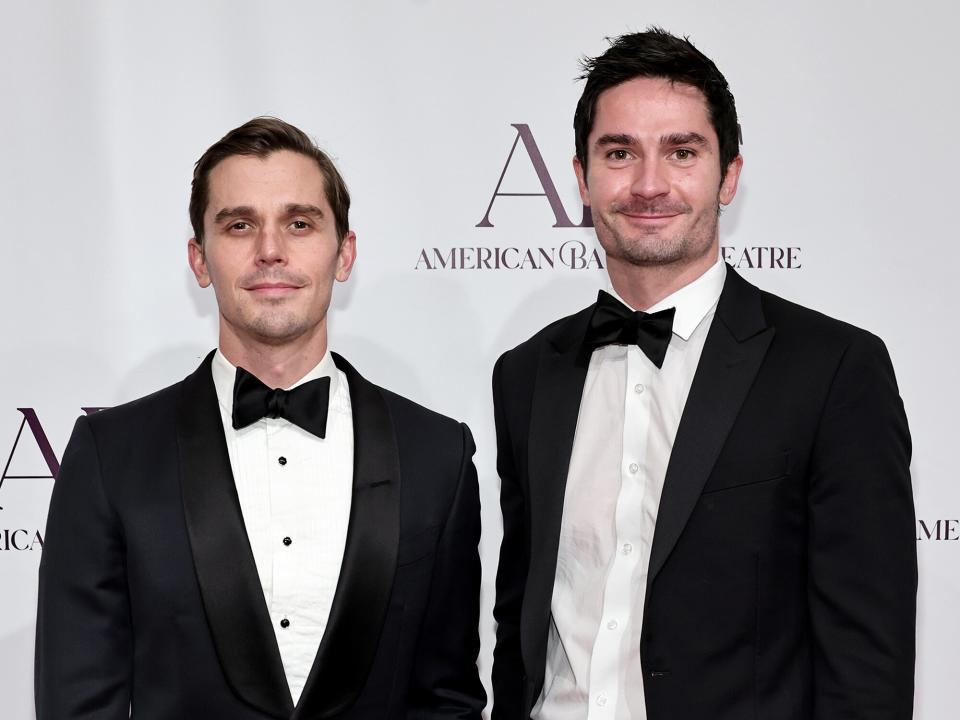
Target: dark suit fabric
[(782, 579), (150, 598)]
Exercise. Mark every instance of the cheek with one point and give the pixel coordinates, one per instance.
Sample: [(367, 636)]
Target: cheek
[(606, 188)]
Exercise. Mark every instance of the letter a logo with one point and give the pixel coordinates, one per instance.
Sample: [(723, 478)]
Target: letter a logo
[(546, 183)]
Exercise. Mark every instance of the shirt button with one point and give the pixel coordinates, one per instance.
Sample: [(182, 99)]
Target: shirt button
[(287, 541), (638, 388), (634, 468), (601, 700), (284, 623), (282, 460), (612, 625), (626, 549)]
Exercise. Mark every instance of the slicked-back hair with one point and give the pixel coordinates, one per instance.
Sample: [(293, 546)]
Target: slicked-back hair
[(261, 137), (658, 54)]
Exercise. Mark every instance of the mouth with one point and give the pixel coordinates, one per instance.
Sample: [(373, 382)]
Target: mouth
[(649, 218), (272, 289)]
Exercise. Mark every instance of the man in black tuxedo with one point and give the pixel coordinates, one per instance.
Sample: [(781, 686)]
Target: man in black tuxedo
[(226, 548), (705, 489)]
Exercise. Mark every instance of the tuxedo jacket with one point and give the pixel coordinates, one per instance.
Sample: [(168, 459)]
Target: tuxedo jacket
[(150, 601), (782, 576)]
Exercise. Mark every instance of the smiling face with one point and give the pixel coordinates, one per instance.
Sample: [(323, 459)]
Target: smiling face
[(653, 179), (270, 250)]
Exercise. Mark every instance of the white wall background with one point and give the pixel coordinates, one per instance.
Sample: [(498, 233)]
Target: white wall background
[(847, 112)]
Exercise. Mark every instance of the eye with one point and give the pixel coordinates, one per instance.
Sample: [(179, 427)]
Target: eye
[(618, 154), (684, 154), (300, 224), (240, 226)]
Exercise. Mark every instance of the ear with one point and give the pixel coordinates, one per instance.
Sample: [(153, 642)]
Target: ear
[(198, 262), (346, 256), (581, 173), (728, 187)]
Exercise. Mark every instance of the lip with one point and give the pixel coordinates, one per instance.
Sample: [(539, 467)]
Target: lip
[(649, 218), (272, 289)]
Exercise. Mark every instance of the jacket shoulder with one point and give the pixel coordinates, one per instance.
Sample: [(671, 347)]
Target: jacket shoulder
[(130, 415), (560, 334), (811, 327), (407, 412)]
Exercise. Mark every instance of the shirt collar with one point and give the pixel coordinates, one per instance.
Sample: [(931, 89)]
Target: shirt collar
[(693, 301), (224, 374)]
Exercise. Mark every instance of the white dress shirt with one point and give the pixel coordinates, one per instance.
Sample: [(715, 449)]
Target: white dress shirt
[(629, 414), (295, 493)]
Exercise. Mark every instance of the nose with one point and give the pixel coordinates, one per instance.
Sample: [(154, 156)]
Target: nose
[(271, 246), (650, 179)]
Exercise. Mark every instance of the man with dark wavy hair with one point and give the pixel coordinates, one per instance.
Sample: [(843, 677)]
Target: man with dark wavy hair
[(275, 536), (706, 495)]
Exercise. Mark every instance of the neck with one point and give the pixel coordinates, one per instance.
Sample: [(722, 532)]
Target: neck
[(275, 365), (643, 286)]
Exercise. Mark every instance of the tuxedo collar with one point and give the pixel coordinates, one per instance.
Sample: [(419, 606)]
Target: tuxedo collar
[(369, 561), (227, 575), (733, 351)]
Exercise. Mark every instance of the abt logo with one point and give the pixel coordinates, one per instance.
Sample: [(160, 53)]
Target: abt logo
[(36, 434)]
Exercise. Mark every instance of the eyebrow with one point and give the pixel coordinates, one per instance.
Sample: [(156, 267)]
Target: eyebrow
[(687, 138), (229, 213), (300, 209), (615, 139)]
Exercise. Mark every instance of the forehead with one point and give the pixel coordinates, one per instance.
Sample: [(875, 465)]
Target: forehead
[(654, 105), (279, 179)]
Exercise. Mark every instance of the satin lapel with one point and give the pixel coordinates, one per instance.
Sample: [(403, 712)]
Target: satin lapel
[(226, 571), (369, 560), (561, 373), (735, 347)]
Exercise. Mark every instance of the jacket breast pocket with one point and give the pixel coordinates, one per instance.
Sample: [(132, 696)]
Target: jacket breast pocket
[(748, 471)]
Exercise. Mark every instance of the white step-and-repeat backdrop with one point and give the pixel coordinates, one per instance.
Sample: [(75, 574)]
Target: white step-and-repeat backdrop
[(848, 204)]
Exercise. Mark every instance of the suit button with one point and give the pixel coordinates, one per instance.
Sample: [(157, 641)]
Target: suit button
[(282, 460), (287, 541), (284, 623)]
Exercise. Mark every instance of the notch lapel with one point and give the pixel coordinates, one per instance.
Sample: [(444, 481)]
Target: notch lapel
[(734, 349), (360, 603), (561, 373), (226, 571)]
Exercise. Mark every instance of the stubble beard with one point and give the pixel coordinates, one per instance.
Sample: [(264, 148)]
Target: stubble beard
[(274, 325), (652, 248)]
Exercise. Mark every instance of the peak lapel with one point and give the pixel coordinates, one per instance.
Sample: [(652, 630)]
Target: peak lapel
[(225, 568), (561, 373), (735, 347), (369, 561)]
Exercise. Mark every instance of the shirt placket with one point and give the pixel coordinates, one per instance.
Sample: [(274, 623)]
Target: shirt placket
[(281, 476), (618, 601)]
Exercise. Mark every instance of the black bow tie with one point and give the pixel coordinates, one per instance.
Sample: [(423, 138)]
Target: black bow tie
[(304, 405), (613, 323)]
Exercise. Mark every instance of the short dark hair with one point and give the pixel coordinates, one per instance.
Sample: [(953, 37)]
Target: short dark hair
[(261, 137), (657, 53)]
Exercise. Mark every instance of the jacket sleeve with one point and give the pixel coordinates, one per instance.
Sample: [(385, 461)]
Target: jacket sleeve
[(861, 544), (84, 652), (508, 672), (445, 681)]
